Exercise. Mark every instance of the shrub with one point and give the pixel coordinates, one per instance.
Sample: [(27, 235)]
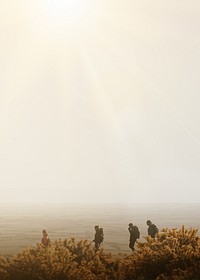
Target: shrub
[(173, 254)]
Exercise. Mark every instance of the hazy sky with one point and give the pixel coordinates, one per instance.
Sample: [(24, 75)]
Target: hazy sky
[(99, 100)]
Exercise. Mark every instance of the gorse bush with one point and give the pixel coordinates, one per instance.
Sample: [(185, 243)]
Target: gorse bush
[(173, 254)]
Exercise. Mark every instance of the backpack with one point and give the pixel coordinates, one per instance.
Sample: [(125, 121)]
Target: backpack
[(154, 229), (135, 232), (101, 236)]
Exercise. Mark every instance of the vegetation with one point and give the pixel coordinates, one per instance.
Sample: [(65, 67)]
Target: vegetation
[(173, 254)]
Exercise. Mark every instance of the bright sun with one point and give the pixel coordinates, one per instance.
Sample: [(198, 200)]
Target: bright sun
[(65, 11)]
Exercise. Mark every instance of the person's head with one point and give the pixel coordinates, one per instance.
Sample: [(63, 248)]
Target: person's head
[(96, 228), (130, 225), (44, 232), (149, 222)]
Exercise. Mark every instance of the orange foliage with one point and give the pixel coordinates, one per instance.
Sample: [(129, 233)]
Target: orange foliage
[(173, 254)]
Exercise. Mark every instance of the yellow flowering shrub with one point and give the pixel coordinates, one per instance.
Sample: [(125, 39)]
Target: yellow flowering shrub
[(173, 254)]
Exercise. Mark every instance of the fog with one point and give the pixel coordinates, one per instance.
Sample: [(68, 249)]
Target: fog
[(21, 224), (99, 101)]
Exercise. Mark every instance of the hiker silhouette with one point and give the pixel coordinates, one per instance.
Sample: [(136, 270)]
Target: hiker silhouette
[(98, 237), (152, 229), (134, 235), (45, 239)]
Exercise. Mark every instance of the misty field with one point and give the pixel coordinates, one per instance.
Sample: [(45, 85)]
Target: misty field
[(21, 225)]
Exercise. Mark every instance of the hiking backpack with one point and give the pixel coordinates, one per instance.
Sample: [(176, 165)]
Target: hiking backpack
[(101, 236)]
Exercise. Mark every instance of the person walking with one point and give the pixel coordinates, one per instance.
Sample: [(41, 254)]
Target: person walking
[(134, 235), (98, 237), (152, 229), (45, 238)]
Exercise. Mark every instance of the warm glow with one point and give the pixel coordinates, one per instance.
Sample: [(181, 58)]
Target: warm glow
[(64, 11), (99, 101)]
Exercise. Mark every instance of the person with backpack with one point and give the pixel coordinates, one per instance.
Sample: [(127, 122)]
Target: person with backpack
[(98, 237), (152, 229), (134, 235)]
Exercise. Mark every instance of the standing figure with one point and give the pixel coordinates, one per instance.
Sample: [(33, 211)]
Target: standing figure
[(134, 235), (98, 237), (45, 238), (152, 229)]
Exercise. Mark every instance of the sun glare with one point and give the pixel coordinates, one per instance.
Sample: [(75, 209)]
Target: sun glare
[(65, 11)]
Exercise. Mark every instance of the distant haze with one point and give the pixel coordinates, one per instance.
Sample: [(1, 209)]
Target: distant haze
[(99, 100), (21, 224)]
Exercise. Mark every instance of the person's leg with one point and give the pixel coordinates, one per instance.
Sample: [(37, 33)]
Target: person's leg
[(132, 244), (96, 246)]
